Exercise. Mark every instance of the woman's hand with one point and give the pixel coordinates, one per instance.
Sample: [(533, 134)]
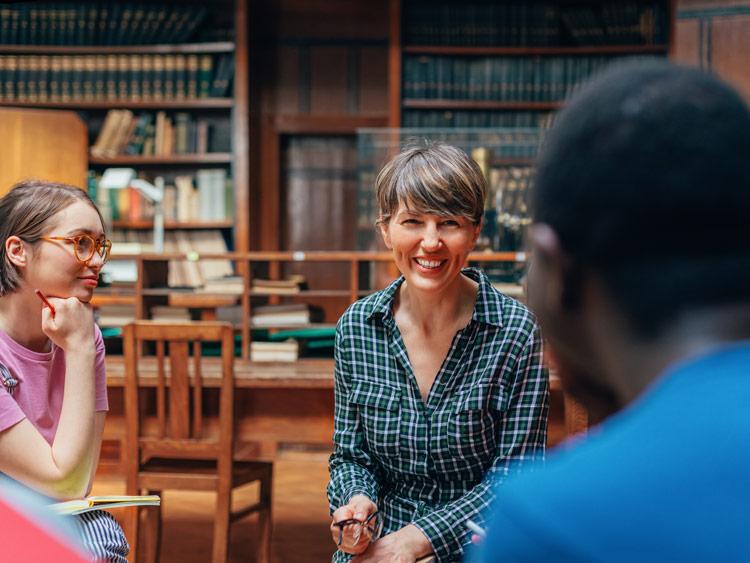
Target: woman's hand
[(359, 507), (72, 326), (404, 546)]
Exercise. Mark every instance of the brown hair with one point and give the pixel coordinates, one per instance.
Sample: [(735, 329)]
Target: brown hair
[(25, 212), (432, 178)]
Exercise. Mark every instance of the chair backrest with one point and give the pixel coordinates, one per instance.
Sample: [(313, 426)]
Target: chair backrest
[(178, 389)]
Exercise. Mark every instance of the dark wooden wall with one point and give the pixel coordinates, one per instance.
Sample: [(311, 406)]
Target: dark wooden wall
[(715, 36)]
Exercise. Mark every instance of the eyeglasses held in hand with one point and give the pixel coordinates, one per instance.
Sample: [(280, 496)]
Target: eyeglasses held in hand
[(84, 247), (371, 528)]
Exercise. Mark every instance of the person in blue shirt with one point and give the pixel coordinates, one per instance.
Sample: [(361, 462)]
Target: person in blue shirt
[(641, 283)]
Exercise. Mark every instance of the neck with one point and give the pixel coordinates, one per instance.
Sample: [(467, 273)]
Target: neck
[(431, 310), (21, 319), (634, 363)]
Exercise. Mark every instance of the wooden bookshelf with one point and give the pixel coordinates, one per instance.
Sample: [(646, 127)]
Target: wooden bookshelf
[(474, 51), (174, 159), (176, 104), (479, 105), (151, 288), (176, 48), (171, 225)]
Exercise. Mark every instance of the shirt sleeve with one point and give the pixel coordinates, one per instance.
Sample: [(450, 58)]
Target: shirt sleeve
[(522, 441), (10, 413), (101, 403), (351, 467)]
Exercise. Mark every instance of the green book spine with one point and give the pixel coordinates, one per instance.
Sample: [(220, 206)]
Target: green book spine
[(204, 75)]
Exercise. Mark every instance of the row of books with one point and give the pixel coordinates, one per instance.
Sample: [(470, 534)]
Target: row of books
[(205, 196), (160, 134), (474, 118), (114, 77), (510, 79), (534, 24), (180, 273), (98, 23)]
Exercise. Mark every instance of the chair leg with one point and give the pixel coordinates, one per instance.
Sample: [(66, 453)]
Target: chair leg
[(131, 531), (221, 526), (265, 518)]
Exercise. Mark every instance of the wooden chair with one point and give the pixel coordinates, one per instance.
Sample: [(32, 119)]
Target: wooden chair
[(175, 453)]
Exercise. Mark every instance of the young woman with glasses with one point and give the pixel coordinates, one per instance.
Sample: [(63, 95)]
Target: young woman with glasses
[(439, 381), (53, 397)]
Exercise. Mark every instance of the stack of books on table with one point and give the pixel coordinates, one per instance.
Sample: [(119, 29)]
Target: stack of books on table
[(232, 285), (170, 314), (115, 315), (285, 351), (289, 286), (286, 315)]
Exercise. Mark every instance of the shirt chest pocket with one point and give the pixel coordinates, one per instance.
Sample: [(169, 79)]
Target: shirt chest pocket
[(379, 409), (474, 428)]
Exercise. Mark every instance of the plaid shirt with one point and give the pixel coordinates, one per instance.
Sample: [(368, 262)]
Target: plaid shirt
[(435, 464)]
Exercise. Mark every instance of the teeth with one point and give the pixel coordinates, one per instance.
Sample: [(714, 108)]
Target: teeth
[(428, 263)]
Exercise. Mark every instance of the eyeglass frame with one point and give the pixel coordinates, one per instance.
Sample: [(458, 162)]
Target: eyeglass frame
[(97, 245), (374, 534)]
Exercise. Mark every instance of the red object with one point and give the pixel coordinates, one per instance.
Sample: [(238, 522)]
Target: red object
[(46, 303), (26, 539)]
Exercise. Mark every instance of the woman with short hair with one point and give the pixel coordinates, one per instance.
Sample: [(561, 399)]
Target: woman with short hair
[(439, 382)]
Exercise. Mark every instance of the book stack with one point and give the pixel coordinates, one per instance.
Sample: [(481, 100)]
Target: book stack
[(289, 286), (168, 314), (110, 316), (286, 351), (228, 285), (286, 315)]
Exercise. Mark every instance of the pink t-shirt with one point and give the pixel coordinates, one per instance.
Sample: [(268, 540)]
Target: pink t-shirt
[(41, 382)]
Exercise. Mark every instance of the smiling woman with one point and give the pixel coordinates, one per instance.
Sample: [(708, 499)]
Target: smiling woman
[(51, 420), (439, 380)]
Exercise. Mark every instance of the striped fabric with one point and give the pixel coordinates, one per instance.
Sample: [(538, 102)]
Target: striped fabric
[(102, 536), (434, 464)]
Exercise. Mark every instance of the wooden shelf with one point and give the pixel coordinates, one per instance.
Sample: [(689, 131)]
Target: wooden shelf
[(478, 105), (174, 159), (534, 51), (201, 103), (183, 48), (171, 225)]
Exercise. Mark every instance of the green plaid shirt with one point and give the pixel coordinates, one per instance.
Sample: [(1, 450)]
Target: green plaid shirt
[(435, 465)]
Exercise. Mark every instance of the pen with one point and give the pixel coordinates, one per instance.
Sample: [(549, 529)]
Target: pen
[(44, 300), (476, 528)]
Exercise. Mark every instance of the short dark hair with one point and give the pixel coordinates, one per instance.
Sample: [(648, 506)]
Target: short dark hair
[(646, 179), (25, 211)]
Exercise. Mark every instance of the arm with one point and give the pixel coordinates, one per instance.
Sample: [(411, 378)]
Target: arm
[(64, 469), (353, 481), (521, 441)]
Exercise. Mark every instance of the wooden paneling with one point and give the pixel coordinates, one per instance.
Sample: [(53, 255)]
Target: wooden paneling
[(328, 80), (687, 43), (287, 97), (373, 80), (730, 54), (333, 18), (49, 145)]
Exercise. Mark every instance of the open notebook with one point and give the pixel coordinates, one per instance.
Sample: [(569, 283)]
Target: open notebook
[(80, 506)]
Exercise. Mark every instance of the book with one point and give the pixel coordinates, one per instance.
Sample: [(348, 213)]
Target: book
[(287, 351), (79, 506)]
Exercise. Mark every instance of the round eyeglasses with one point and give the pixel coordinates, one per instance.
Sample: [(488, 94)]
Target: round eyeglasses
[(84, 247), (371, 527)]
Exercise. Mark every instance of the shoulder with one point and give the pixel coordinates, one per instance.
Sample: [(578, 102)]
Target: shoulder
[(495, 308), (368, 311)]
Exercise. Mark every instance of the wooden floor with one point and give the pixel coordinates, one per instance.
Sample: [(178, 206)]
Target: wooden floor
[(300, 516)]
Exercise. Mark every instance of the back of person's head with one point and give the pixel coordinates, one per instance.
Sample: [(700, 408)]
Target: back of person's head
[(433, 178), (26, 211), (645, 177)]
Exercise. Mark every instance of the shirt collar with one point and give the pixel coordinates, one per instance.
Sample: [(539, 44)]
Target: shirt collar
[(488, 308)]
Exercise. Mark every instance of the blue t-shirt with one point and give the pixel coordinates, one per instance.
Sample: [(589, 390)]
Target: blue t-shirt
[(664, 480)]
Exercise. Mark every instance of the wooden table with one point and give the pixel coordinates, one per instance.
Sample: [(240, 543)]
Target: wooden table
[(276, 402)]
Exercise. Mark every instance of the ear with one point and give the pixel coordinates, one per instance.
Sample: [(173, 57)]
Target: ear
[(384, 232), (546, 283), (16, 251), (477, 231)]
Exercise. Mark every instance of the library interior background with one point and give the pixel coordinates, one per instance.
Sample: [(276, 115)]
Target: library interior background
[(232, 148)]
